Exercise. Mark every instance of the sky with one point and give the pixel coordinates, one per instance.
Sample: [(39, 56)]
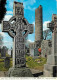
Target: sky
[(49, 8)]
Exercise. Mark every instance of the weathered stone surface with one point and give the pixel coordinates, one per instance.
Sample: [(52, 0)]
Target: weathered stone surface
[(38, 24), (18, 28), (34, 50), (46, 48), (7, 62), (50, 69), (19, 72)]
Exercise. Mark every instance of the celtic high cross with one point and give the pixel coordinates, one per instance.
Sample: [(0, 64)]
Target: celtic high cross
[(18, 28)]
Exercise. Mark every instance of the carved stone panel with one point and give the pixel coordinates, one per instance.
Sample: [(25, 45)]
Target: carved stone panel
[(5, 26), (19, 11), (20, 62)]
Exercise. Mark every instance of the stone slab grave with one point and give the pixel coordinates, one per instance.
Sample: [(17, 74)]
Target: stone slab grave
[(50, 68), (18, 28)]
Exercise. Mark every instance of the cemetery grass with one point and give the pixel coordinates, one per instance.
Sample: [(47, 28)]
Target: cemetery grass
[(30, 62), (35, 63), (2, 68)]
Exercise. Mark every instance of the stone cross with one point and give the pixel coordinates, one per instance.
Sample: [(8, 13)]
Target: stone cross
[(53, 27), (51, 66), (18, 28)]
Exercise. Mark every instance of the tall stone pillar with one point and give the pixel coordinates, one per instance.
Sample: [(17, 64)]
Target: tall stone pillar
[(38, 24), (50, 68)]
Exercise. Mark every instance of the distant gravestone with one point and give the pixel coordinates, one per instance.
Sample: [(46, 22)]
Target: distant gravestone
[(46, 48), (36, 53), (18, 28), (7, 62), (3, 52)]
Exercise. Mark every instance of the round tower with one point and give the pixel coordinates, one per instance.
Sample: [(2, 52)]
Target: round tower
[(38, 24)]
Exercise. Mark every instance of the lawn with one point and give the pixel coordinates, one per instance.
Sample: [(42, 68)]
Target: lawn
[(35, 63), (30, 62), (2, 68)]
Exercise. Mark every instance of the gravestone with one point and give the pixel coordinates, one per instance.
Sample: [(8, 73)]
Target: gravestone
[(3, 52), (18, 28), (7, 62), (36, 53), (50, 68), (34, 49), (46, 48)]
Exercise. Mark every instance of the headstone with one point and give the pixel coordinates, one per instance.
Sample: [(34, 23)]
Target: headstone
[(50, 68), (3, 52), (46, 48), (7, 62), (36, 53), (34, 50), (18, 27), (32, 47)]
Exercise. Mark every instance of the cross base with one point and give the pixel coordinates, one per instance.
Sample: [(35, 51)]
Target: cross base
[(50, 70), (19, 72)]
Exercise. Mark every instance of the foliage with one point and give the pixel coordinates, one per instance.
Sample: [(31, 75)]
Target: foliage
[(47, 34), (2, 9)]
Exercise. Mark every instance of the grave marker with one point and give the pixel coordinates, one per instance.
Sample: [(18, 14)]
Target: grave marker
[(51, 66), (18, 28)]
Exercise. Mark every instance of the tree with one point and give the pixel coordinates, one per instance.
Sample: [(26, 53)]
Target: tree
[(47, 34), (2, 9)]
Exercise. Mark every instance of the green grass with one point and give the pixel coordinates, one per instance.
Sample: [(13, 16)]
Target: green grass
[(1, 60), (35, 63), (30, 62), (2, 68)]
